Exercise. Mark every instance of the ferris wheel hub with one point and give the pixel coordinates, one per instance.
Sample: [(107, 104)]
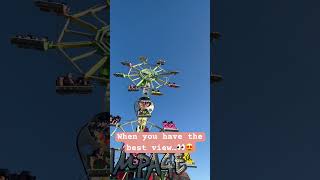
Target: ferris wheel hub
[(147, 77), (148, 74)]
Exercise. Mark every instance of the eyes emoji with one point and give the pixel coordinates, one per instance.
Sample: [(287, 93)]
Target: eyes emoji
[(181, 147)]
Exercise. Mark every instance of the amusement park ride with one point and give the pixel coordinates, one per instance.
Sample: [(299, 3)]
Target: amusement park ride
[(85, 42), (76, 36), (147, 78)]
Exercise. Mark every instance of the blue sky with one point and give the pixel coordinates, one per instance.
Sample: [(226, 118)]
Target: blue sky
[(177, 31)]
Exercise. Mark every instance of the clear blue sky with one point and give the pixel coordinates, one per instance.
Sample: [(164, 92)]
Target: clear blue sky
[(177, 31)]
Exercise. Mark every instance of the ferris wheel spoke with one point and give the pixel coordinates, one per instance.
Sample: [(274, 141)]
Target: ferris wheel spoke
[(69, 45), (168, 73), (99, 78), (80, 33), (133, 75), (84, 24), (99, 19), (160, 70), (104, 47), (136, 68), (120, 127), (63, 31), (140, 82), (94, 9), (164, 82), (124, 124), (154, 69), (159, 85), (133, 71), (136, 65), (85, 55), (152, 86), (96, 67), (136, 79), (114, 131), (132, 127), (70, 59), (164, 74)]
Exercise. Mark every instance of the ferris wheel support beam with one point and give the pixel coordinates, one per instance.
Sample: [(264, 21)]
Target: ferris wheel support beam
[(84, 24), (63, 30), (96, 67), (90, 10), (70, 59), (83, 56), (164, 82), (156, 68), (79, 33), (99, 19), (70, 45)]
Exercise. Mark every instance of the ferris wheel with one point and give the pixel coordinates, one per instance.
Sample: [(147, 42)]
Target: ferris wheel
[(83, 41), (147, 77)]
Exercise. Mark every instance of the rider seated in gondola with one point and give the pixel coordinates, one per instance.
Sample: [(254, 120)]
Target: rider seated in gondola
[(164, 124), (59, 81), (169, 125), (172, 125), (114, 120), (81, 81), (132, 88), (156, 92), (68, 80), (160, 62)]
